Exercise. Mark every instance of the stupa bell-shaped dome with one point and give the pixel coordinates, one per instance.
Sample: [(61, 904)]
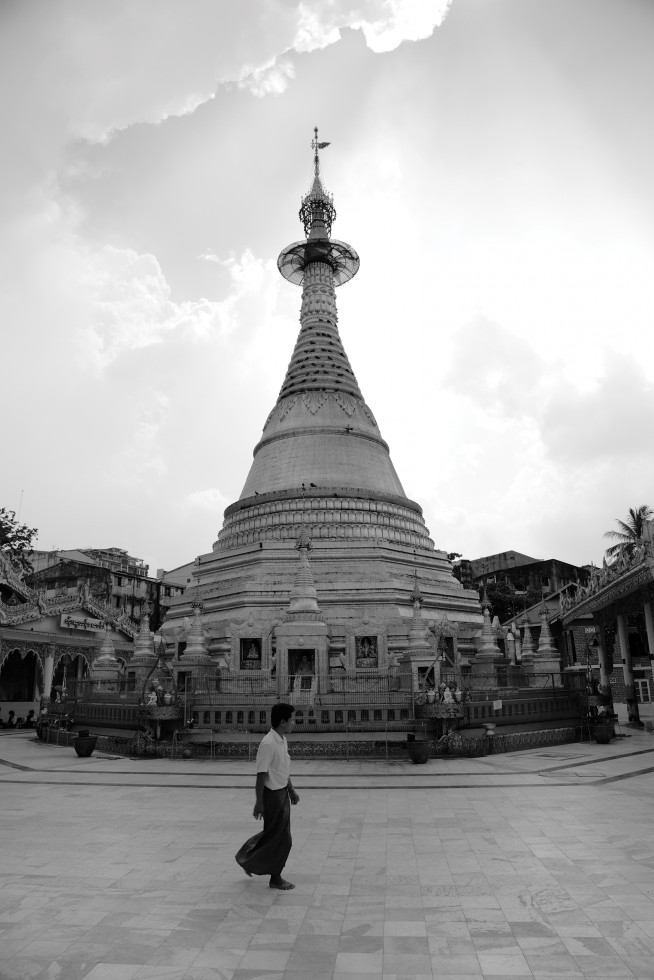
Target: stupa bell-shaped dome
[(320, 433)]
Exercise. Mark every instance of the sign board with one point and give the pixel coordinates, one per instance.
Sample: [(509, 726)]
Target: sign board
[(497, 705), (71, 622)]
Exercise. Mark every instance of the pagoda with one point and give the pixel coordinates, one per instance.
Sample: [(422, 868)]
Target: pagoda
[(322, 475)]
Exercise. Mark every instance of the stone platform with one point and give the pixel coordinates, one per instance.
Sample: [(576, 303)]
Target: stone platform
[(530, 866)]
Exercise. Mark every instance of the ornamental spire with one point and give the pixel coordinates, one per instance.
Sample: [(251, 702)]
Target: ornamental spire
[(317, 212), (315, 146), (317, 215)]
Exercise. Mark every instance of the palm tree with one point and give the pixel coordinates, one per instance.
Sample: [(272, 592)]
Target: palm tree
[(630, 533)]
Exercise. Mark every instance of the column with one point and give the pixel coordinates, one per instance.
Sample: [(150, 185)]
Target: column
[(38, 672), (649, 625), (628, 673), (49, 670), (605, 680)]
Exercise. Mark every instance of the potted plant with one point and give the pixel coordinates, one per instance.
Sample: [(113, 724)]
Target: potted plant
[(418, 745), (84, 743), (602, 728)]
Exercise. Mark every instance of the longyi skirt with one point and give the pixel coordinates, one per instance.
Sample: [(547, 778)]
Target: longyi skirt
[(266, 853)]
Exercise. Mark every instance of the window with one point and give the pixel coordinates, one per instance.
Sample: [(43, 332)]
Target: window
[(206, 717), (643, 692), (217, 718)]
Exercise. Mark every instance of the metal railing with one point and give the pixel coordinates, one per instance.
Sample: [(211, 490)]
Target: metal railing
[(303, 688), (515, 679)]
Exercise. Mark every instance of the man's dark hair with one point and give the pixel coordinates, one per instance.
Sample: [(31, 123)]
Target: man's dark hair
[(280, 712)]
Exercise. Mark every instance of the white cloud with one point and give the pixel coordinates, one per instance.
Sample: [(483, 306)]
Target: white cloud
[(271, 79), (606, 424), (390, 23), (212, 500), (498, 370), (147, 62), (141, 461)]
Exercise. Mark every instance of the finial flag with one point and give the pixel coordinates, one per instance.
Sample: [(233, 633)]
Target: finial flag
[(315, 146)]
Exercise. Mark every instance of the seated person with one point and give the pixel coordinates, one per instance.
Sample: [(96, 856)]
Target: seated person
[(11, 721)]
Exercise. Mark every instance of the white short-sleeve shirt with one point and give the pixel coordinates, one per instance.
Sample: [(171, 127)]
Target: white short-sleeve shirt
[(274, 760)]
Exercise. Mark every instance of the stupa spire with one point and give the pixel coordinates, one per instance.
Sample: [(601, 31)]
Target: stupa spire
[(317, 212), (546, 645), (487, 645), (320, 404), (320, 434), (304, 598), (418, 641)]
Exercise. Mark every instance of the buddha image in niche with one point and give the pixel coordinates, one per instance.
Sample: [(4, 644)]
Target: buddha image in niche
[(251, 654), (366, 651)]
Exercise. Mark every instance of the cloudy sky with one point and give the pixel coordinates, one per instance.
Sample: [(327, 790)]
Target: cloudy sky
[(491, 161)]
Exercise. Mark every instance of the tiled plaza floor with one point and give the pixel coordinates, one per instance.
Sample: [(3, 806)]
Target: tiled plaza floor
[(530, 865)]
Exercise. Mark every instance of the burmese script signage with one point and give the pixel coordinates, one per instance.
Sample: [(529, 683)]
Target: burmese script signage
[(81, 622)]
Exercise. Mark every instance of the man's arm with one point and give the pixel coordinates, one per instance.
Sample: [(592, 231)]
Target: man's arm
[(257, 813), (293, 796)]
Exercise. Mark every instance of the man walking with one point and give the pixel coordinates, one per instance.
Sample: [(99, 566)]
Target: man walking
[(266, 853)]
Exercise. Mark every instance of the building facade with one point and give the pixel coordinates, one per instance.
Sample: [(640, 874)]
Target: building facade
[(618, 601)]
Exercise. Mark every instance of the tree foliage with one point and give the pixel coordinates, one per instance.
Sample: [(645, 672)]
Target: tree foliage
[(630, 533), (506, 602), (16, 540)]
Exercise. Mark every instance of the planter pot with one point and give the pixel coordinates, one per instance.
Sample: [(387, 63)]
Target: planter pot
[(84, 745), (602, 734), (418, 751)]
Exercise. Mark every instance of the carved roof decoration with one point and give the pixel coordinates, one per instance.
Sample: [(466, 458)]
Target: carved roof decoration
[(611, 583), (36, 605)]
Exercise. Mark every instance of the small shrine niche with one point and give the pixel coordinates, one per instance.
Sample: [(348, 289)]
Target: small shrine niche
[(160, 704), (250, 653)]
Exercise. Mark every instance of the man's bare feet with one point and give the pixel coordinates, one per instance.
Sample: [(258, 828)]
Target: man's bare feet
[(284, 886)]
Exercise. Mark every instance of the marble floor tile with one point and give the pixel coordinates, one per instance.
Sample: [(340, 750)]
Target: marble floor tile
[(392, 883), (359, 962), (456, 966), (504, 964)]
